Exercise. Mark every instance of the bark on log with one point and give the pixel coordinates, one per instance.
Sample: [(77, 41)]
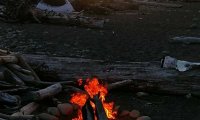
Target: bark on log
[(146, 76)]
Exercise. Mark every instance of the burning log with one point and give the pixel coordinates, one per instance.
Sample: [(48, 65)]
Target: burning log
[(146, 76), (100, 112), (87, 110)]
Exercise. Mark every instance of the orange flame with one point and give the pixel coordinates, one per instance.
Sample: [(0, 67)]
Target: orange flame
[(80, 100), (93, 87)]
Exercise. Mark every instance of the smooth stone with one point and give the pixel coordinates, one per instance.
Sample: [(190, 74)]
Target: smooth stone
[(65, 108)]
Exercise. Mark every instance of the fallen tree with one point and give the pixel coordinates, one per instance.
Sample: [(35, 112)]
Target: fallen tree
[(144, 76)]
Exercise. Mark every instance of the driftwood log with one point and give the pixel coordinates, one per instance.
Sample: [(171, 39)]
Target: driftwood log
[(27, 109), (146, 76)]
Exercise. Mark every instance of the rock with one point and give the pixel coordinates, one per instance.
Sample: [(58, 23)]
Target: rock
[(124, 113), (45, 116), (144, 118), (141, 94), (65, 109), (134, 114), (53, 111)]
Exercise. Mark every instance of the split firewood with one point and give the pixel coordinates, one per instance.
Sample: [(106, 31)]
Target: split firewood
[(27, 109)]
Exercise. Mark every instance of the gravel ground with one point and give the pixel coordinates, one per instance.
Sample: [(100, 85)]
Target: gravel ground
[(142, 35)]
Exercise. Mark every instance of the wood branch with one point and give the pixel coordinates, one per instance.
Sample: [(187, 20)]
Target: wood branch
[(100, 112), (8, 59), (146, 76), (27, 109), (169, 5)]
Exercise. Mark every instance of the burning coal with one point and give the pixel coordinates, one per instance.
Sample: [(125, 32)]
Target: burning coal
[(93, 90)]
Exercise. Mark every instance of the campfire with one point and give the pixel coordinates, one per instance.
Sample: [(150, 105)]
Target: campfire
[(87, 98), (92, 101)]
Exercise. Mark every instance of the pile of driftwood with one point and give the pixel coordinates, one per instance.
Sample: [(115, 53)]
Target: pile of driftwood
[(22, 92)]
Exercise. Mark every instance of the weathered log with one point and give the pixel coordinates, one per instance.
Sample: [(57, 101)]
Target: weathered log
[(43, 93), (27, 109), (146, 76)]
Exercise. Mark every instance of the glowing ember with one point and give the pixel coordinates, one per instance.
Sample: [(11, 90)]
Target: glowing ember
[(93, 87)]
